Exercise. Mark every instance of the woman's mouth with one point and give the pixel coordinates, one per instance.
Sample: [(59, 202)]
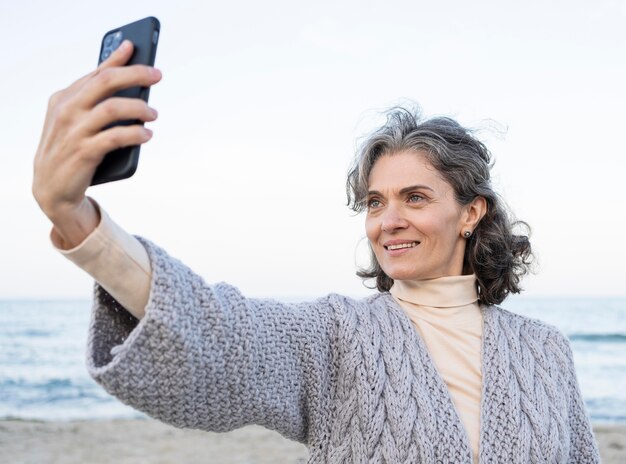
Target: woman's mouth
[(399, 246)]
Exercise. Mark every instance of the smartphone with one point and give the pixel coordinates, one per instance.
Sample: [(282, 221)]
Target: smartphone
[(144, 34)]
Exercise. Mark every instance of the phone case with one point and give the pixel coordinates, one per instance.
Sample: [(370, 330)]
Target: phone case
[(144, 34)]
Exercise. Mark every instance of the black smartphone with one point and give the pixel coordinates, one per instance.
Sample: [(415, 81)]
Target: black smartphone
[(144, 34)]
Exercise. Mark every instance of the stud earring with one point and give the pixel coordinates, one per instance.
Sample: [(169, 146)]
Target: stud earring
[(467, 234)]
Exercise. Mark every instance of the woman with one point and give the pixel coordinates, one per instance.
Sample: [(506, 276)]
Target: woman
[(427, 370)]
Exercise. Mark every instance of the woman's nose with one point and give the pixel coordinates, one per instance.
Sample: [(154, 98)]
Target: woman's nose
[(393, 220)]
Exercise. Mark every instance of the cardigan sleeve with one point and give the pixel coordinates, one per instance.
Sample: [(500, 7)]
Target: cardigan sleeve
[(583, 444), (205, 357)]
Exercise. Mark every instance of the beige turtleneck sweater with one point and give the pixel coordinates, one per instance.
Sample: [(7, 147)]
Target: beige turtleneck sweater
[(444, 311)]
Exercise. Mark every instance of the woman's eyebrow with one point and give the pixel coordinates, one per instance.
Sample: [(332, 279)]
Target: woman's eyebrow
[(404, 190), (415, 187)]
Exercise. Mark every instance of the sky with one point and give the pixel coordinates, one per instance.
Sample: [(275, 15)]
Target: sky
[(262, 106)]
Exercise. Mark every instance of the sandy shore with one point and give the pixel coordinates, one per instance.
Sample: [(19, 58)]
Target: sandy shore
[(147, 441)]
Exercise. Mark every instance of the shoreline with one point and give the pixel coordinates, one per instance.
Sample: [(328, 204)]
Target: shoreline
[(133, 441)]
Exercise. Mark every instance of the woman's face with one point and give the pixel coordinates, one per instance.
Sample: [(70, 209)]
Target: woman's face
[(414, 224)]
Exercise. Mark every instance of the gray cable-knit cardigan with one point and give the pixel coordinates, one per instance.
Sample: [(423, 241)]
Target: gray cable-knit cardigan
[(352, 379)]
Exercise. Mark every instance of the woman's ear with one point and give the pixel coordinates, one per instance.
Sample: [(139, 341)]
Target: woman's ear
[(474, 212)]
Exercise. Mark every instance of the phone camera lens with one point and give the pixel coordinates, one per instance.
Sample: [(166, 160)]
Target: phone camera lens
[(117, 40), (111, 43)]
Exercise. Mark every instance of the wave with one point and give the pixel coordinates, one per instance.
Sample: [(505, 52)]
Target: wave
[(599, 337)]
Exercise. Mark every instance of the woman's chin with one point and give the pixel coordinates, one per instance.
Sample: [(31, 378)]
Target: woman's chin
[(399, 274)]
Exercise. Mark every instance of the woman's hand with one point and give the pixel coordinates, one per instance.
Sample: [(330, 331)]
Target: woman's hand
[(73, 143)]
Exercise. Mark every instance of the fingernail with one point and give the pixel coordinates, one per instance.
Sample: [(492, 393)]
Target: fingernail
[(156, 73), (125, 45), (153, 112)]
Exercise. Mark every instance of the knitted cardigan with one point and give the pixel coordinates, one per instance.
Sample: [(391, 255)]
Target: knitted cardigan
[(350, 378)]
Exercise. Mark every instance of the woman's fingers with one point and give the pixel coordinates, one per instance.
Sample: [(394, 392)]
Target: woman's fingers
[(70, 105), (106, 81), (111, 76), (116, 109), (118, 58), (116, 137)]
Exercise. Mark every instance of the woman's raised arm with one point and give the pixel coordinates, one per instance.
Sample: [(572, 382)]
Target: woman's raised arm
[(206, 357)]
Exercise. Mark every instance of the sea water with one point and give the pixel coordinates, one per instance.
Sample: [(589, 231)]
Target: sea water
[(43, 348)]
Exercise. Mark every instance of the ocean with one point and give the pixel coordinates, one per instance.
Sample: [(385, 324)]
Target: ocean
[(43, 374)]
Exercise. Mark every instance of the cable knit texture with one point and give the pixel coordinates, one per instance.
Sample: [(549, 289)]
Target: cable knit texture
[(350, 378)]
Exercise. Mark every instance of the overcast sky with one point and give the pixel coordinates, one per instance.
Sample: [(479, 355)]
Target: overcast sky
[(261, 107)]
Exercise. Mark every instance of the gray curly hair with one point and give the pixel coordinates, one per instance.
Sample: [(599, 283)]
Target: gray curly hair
[(497, 256)]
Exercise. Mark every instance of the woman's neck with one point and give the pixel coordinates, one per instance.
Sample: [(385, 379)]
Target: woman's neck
[(442, 292)]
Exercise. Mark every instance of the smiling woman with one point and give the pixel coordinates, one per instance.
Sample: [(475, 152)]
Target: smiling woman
[(428, 183), (426, 370), (416, 232)]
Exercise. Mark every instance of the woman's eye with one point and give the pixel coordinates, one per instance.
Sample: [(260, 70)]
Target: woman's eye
[(373, 203), (414, 198)]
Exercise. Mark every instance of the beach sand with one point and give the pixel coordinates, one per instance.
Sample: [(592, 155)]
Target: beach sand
[(152, 442)]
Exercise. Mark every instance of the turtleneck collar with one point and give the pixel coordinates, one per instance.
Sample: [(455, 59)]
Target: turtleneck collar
[(442, 292)]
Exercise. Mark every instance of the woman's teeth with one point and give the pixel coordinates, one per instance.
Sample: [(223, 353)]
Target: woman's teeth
[(402, 245)]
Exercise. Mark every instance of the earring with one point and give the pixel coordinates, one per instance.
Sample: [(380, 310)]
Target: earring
[(467, 234)]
